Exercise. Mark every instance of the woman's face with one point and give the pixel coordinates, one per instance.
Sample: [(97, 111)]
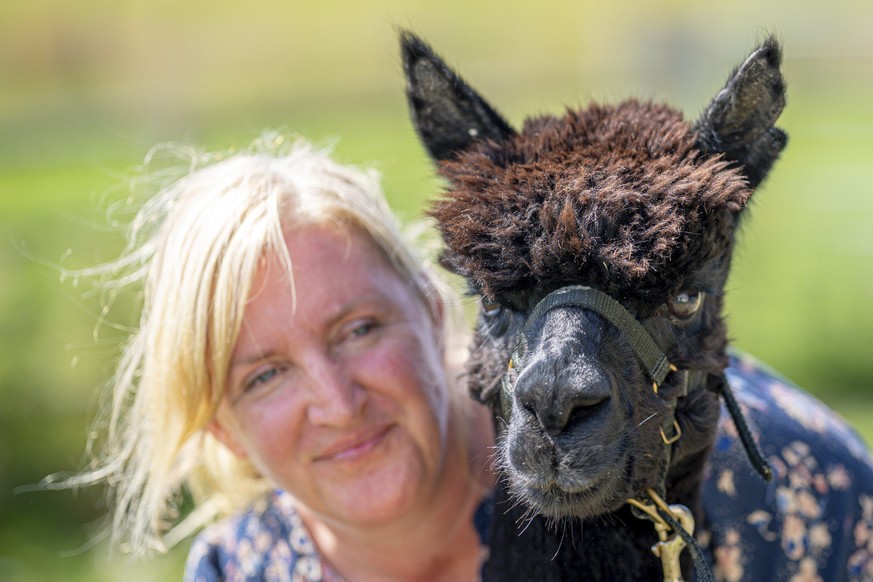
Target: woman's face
[(336, 390)]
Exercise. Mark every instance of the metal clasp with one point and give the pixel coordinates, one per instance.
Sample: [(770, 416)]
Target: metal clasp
[(669, 547)]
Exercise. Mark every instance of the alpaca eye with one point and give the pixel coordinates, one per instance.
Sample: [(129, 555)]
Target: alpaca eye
[(490, 308), (686, 304)]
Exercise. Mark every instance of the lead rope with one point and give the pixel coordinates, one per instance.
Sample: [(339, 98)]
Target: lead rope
[(678, 517), (752, 451), (701, 568)]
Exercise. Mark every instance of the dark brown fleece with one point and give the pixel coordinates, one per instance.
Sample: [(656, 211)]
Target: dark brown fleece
[(615, 196)]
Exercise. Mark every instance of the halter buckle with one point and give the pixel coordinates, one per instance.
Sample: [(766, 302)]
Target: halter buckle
[(673, 368), (677, 432)]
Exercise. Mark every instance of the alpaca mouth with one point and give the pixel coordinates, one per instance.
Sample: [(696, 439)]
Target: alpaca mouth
[(566, 493), (557, 502)]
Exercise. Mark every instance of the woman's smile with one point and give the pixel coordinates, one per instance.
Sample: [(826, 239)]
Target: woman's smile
[(355, 447)]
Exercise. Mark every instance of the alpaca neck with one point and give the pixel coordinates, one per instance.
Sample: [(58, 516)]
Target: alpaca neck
[(615, 546)]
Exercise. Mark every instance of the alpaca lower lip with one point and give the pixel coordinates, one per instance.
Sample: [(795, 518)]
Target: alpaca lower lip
[(564, 484), (558, 503), (577, 492), (594, 498)]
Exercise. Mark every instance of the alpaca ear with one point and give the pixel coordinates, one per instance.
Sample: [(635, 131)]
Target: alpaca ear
[(740, 120), (447, 114)]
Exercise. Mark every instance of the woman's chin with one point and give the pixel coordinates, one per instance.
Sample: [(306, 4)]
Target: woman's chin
[(379, 495)]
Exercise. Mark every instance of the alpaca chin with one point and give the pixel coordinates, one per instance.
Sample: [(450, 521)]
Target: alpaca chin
[(604, 495), (585, 481)]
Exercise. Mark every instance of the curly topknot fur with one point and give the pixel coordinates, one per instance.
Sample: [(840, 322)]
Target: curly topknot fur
[(617, 196)]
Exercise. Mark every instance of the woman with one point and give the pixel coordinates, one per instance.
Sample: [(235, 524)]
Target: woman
[(296, 370)]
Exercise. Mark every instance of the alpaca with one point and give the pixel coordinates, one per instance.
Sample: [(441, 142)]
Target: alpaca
[(599, 243)]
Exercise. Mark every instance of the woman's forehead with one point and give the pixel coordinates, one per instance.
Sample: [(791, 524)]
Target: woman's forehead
[(326, 262), (325, 247)]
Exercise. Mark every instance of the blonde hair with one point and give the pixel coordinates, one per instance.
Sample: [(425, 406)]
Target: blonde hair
[(196, 246)]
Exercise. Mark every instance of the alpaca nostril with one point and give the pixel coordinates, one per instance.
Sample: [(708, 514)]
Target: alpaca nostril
[(585, 411), (558, 420)]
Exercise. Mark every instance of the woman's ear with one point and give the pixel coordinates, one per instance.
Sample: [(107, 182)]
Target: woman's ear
[(435, 308), (437, 312), (225, 437), (441, 327)]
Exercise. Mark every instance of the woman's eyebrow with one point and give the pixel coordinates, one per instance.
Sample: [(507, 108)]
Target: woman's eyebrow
[(250, 358), (376, 300), (257, 351)]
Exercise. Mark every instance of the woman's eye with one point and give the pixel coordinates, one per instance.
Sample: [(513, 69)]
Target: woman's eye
[(686, 304), (261, 378), (490, 308), (362, 329)]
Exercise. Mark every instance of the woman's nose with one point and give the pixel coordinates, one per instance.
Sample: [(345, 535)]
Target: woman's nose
[(335, 399)]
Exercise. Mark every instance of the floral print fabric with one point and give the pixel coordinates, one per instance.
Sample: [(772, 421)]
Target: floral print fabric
[(812, 523), (268, 542)]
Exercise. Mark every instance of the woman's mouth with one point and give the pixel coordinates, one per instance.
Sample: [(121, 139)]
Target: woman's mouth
[(355, 446)]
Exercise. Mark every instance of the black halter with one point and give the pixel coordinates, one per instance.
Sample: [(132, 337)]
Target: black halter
[(654, 360), (658, 367)]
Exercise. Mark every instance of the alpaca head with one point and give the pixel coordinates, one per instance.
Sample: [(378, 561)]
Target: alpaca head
[(629, 200)]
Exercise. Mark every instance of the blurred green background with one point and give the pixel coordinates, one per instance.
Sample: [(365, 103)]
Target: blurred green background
[(86, 88)]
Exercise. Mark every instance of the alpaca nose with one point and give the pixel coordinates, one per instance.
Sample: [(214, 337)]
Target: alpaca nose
[(563, 403)]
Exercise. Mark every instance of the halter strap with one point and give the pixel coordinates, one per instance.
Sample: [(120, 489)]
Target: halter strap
[(653, 359)]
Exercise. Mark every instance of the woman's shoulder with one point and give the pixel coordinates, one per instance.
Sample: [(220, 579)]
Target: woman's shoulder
[(266, 542), (784, 413), (816, 515)]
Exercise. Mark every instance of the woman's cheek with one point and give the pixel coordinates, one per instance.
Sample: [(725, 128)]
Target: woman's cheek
[(409, 366), (272, 425)]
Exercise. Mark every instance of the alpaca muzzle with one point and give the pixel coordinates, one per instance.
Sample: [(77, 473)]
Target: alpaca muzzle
[(653, 359)]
